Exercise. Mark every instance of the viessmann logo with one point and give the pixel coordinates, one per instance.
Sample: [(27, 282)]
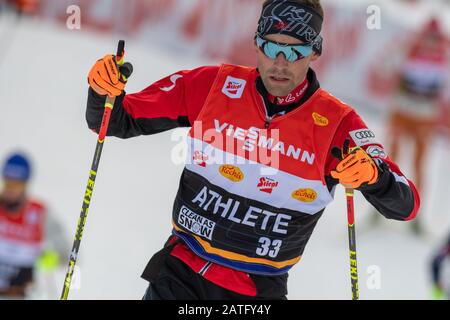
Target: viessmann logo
[(232, 173), (234, 87), (305, 195)]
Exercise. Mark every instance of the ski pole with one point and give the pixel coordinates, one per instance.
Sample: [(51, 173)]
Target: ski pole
[(349, 193), (125, 71)]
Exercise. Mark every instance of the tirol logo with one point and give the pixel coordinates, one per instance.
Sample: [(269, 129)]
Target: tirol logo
[(232, 173), (320, 120), (234, 87), (200, 158), (376, 152), (305, 195), (266, 184)]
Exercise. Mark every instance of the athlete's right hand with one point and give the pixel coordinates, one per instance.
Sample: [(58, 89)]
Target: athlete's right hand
[(104, 77)]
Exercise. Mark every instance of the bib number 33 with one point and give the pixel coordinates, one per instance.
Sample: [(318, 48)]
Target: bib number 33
[(268, 247)]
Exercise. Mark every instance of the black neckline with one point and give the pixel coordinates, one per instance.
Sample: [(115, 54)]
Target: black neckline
[(273, 109)]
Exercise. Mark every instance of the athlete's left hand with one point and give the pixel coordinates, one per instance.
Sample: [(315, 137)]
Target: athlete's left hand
[(356, 168)]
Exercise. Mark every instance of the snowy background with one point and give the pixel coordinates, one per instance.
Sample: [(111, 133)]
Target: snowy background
[(43, 91)]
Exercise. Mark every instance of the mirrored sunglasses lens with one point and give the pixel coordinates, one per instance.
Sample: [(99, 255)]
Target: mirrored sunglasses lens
[(293, 56), (304, 51), (272, 50)]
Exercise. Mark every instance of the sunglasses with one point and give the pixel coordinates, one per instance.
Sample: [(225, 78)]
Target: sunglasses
[(292, 52)]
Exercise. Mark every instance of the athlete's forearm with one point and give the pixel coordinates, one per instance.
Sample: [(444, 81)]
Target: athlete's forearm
[(393, 195), (123, 124)]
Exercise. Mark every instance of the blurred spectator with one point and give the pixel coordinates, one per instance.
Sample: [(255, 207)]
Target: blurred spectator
[(441, 288), (20, 7), (419, 76), (29, 238), (25, 6)]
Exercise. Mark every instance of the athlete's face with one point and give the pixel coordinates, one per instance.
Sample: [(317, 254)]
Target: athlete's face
[(280, 76), (13, 190)]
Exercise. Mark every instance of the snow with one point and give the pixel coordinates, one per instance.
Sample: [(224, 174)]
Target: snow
[(43, 93)]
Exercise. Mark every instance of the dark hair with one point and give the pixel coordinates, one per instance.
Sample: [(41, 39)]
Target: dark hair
[(314, 4)]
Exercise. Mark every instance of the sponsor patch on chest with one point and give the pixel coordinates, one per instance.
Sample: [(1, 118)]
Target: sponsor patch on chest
[(267, 184), (195, 223), (307, 195), (231, 172), (234, 87)]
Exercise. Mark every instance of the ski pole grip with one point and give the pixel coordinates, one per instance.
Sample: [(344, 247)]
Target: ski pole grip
[(125, 68), (120, 52), (121, 48)]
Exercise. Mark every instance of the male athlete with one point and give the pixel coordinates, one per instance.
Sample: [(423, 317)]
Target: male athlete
[(260, 170)]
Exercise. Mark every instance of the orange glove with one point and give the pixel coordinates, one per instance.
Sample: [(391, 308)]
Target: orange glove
[(356, 169), (104, 77)]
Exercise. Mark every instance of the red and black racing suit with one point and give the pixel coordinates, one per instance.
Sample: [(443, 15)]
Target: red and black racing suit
[(176, 272)]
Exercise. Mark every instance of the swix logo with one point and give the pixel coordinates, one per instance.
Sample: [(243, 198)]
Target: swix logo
[(267, 185), (200, 158), (234, 87)]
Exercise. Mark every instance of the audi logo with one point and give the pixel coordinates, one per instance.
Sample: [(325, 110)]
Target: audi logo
[(364, 134)]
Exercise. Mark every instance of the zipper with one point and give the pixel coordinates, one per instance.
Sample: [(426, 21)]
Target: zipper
[(268, 119), (205, 268)]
